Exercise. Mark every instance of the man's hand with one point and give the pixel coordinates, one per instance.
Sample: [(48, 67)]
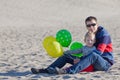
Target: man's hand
[(76, 61)]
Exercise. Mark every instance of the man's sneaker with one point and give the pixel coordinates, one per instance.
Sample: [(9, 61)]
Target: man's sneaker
[(37, 71)]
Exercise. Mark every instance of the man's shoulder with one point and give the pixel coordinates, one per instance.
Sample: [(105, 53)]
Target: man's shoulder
[(102, 31)]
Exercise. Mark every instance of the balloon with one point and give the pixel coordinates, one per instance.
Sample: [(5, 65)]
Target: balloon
[(64, 37), (52, 47), (76, 45)]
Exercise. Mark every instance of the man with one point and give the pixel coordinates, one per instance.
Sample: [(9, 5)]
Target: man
[(101, 58)]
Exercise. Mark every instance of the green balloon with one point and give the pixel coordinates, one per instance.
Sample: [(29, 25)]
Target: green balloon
[(64, 37), (76, 45)]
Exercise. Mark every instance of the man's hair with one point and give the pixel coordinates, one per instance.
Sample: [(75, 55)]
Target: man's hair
[(90, 18)]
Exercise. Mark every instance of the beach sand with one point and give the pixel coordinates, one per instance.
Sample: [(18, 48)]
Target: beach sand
[(25, 23)]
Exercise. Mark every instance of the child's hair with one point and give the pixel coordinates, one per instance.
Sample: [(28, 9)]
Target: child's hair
[(89, 34)]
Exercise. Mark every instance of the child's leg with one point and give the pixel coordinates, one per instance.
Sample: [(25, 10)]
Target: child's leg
[(95, 59)]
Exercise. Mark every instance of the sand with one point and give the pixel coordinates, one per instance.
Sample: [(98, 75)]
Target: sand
[(25, 23)]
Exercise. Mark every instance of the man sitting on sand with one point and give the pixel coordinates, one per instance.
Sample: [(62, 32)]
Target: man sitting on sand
[(101, 58)]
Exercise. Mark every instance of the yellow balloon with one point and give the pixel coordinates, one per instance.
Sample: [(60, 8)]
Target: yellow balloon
[(52, 47)]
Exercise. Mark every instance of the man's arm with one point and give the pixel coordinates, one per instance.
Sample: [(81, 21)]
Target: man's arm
[(102, 46)]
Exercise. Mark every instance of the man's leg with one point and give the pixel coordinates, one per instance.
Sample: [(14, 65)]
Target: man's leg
[(96, 60), (59, 63)]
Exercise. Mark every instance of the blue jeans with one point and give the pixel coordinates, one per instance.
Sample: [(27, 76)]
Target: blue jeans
[(99, 63)]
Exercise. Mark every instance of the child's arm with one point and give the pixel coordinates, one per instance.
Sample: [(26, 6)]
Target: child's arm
[(77, 51)]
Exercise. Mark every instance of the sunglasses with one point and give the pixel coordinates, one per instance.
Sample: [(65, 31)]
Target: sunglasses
[(89, 25)]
